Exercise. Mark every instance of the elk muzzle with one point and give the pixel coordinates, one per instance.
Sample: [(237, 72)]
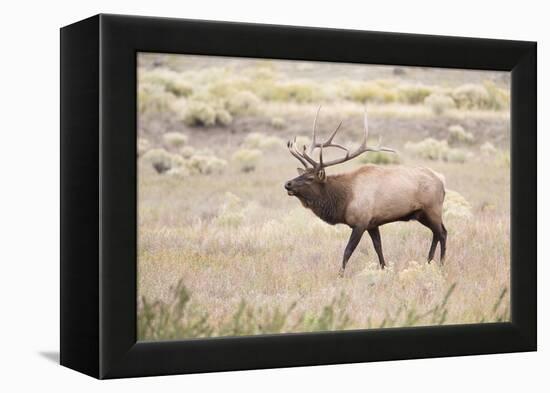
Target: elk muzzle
[(289, 187)]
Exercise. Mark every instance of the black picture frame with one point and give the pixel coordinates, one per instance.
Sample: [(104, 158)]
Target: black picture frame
[(98, 196)]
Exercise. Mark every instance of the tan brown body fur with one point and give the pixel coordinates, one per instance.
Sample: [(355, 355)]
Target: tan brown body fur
[(371, 196), (386, 194)]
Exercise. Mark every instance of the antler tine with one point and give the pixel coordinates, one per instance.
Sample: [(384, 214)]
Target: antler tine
[(329, 140), (309, 159), (379, 147), (365, 129), (292, 149), (314, 134), (362, 147), (305, 157), (328, 143)]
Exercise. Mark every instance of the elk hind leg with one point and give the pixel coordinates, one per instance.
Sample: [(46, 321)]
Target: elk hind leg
[(433, 221), (435, 240), (377, 243), (443, 243)]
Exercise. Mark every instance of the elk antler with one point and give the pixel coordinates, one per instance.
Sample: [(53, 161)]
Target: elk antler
[(292, 149), (306, 156)]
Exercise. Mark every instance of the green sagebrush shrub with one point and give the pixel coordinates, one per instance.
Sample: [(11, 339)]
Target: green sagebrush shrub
[(171, 81), (174, 139), (380, 158), (414, 93), (488, 149), (481, 96), (198, 113), (205, 164), (429, 148), (278, 123), (257, 140), (437, 150), (242, 103), (456, 206), (439, 103), (457, 135), (161, 160), (180, 318)]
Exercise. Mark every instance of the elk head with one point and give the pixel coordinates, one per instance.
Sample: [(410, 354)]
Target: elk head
[(312, 177)]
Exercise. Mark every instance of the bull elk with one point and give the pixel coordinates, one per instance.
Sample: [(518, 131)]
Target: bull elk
[(370, 196)]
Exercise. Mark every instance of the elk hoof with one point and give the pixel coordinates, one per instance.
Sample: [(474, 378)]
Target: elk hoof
[(341, 272)]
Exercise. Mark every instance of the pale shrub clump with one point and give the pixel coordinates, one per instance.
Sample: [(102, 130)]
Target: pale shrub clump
[(370, 91), (426, 275), (242, 103), (437, 150), (162, 160), (179, 172), (278, 123), (457, 135), (439, 103), (187, 151), (205, 165), (456, 206), (414, 93), (142, 146), (199, 113), (174, 139), (458, 155), (301, 91), (257, 140), (223, 117), (380, 157), (204, 111), (488, 149), (154, 99), (231, 213), (247, 159), (429, 148), (171, 81), (372, 274), (499, 98), (471, 96)]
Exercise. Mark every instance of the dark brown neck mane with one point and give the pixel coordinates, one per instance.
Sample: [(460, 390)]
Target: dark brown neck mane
[(331, 204)]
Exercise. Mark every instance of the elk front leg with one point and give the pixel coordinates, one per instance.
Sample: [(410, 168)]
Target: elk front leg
[(353, 241)]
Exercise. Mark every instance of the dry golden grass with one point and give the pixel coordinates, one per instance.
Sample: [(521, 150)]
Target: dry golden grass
[(239, 237)]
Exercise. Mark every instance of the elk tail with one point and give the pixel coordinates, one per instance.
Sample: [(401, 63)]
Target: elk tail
[(442, 178), (439, 176)]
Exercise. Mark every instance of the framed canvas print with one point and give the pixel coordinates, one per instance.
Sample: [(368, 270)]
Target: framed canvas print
[(239, 196)]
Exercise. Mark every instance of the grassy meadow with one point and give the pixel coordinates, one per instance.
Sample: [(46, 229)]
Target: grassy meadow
[(223, 250)]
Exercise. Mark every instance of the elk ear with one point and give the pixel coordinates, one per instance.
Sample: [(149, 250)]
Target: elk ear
[(301, 171), (321, 175)]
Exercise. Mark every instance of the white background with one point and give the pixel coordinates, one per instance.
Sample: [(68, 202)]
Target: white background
[(29, 193)]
